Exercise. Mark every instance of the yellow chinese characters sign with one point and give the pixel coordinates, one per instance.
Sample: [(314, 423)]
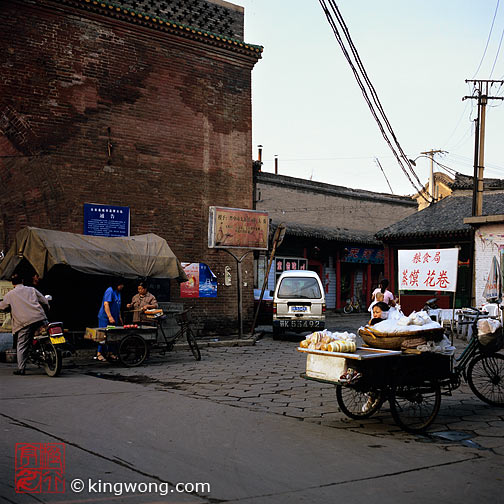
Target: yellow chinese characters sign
[(237, 228)]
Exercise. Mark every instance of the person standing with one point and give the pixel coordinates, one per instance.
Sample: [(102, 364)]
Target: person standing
[(28, 311), (142, 301), (110, 311), (388, 297)]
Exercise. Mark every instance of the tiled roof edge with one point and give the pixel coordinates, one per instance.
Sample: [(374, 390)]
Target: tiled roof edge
[(159, 23)]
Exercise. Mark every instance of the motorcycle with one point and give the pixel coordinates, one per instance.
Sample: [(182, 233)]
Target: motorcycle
[(45, 348)]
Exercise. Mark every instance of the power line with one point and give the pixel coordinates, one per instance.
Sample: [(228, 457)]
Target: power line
[(373, 102), (488, 39), (377, 161), (497, 55)]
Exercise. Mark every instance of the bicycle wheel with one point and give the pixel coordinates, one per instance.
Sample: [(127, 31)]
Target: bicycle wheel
[(133, 350), (52, 359), (485, 376), (348, 309), (358, 404), (414, 406), (193, 345)]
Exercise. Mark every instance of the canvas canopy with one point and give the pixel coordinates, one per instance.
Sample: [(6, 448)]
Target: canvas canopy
[(130, 257)]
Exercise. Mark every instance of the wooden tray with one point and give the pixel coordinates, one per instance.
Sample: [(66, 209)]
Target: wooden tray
[(360, 354)]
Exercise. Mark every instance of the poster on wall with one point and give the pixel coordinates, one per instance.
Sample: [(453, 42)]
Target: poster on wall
[(201, 283), (428, 269)]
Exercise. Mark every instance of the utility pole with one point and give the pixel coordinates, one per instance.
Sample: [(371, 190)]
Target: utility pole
[(481, 88), (431, 155)]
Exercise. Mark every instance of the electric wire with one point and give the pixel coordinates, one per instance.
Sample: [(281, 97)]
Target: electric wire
[(488, 39), (363, 80), (497, 55), (369, 84)]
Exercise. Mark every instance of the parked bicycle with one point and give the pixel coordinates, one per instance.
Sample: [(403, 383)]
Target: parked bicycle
[(352, 305)]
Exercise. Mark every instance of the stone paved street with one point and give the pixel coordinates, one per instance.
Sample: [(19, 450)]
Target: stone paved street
[(266, 377)]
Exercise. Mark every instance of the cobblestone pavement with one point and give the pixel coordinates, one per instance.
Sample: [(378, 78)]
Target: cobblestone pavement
[(266, 378)]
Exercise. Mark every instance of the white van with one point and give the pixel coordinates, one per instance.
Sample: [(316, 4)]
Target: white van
[(298, 303)]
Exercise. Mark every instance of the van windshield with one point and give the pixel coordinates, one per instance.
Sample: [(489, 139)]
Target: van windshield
[(299, 287)]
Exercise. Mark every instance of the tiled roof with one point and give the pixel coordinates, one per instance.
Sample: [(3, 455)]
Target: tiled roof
[(466, 182), (441, 219), (341, 235), (334, 190), (151, 14)]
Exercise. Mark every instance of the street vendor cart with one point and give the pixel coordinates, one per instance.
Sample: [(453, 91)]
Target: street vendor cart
[(411, 381), (133, 342)]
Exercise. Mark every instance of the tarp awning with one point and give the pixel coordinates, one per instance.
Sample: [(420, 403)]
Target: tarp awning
[(146, 255)]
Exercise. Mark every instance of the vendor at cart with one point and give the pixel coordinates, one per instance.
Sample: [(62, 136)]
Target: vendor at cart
[(110, 314), (380, 312), (141, 302)]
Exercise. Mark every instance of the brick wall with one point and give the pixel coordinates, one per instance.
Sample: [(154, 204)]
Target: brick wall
[(290, 199), (488, 241), (176, 113)]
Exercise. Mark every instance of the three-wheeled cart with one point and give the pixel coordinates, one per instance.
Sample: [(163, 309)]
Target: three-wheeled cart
[(409, 381), (132, 343)]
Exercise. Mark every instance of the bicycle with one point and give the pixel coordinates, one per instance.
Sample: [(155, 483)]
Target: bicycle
[(352, 304), (134, 341), (183, 319), (412, 384)]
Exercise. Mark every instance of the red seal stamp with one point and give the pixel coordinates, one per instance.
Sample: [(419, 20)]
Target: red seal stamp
[(40, 468)]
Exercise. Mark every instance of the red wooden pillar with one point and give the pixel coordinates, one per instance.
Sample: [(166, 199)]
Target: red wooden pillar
[(338, 279), (368, 285)]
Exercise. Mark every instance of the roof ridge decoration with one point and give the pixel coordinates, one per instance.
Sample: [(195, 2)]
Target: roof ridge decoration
[(160, 23)]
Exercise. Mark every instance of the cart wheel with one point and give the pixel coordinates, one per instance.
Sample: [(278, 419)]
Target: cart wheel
[(133, 350), (358, 404), (193, 345), (414, 405), (485, 376)]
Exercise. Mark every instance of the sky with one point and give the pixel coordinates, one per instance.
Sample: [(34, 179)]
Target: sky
[(309, 111)]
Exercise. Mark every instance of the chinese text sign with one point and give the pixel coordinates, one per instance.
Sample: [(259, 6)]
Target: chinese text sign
[(106, 220), (428, 269), (238, 228)]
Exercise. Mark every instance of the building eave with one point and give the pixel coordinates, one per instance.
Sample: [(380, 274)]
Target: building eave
[(162, 25)]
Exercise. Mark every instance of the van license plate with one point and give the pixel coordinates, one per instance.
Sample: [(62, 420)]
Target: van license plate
[(57, 341), (299, 323), (299, 308)]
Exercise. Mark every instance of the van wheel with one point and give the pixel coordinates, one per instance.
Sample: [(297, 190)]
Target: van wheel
[(277, 333)]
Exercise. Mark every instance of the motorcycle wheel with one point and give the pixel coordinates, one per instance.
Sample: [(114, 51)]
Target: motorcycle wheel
[(52, 360)]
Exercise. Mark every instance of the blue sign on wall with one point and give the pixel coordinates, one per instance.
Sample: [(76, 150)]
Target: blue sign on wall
[(106, 220)]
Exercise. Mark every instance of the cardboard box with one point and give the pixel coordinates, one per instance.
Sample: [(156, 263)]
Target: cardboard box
[(325, 367), (95, 334)]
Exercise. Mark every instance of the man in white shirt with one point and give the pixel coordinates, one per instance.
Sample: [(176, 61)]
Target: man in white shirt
[(28, 311)]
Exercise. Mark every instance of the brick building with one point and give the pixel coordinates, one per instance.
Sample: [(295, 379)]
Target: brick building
[(330, 229), (144, 104)]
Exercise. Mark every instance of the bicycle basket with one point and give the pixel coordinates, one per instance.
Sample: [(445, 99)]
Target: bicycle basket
[(183, 317), (491, 342)]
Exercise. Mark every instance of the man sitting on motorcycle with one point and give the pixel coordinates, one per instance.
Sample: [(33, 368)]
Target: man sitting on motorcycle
[(28, 311)]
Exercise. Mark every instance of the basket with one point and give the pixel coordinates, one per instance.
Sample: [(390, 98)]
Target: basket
[(491, 342), (183, 317), (393, 341)]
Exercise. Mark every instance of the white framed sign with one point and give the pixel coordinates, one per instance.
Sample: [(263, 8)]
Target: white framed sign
[(428, 269)]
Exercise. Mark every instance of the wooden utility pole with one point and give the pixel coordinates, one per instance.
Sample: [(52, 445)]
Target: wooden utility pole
[(481, 94)]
